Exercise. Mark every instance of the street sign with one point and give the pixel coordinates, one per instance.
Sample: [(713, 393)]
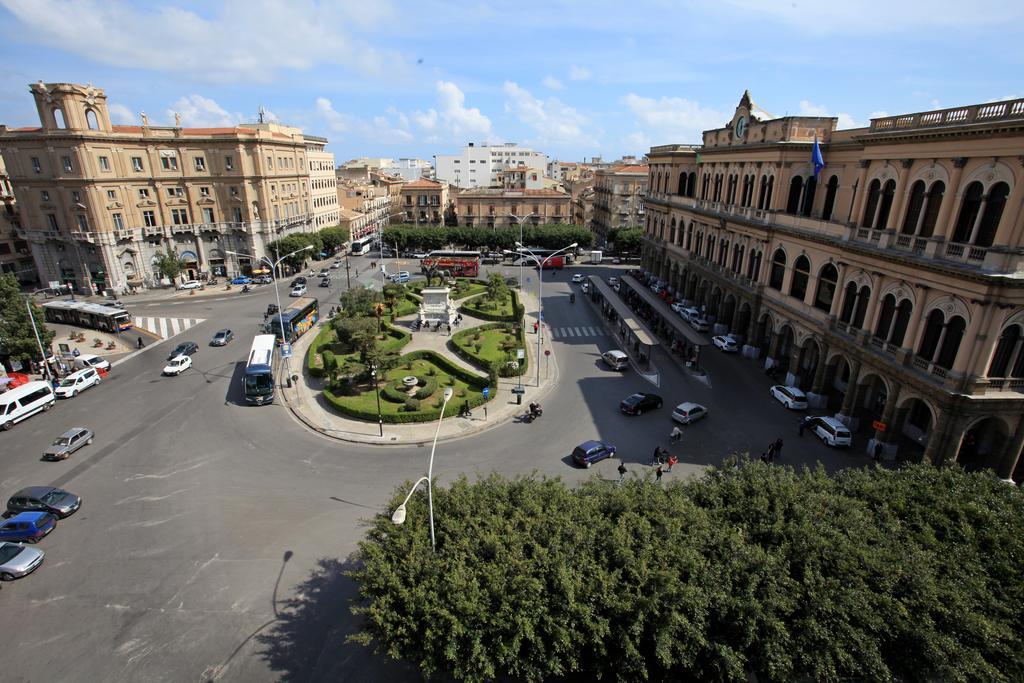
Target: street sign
[(286, 350), (520, 353), (547, 352), (518, 390), (878, 426), (487, 392)]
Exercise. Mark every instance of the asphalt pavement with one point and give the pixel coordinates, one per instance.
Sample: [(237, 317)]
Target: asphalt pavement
[(213, 536)]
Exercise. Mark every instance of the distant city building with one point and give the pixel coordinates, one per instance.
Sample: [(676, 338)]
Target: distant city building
[(619, 198), (565, 170), (581, 193), (99, 202), (323, 183), (367, 199), (409, 169), (494, 206), (479, 165), (423, 202), (15, 253)]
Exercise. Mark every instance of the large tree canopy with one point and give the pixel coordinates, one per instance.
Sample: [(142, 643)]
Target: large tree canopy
[(480, 237), (16, 336), (872, 575)]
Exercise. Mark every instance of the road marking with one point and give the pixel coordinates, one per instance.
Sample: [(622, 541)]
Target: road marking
[(166, 327)]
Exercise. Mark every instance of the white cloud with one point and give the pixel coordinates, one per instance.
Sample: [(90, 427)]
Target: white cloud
[(120, 114), (236, 39), (845, 120), (579, 73), (202, 112), (378, 130), (670, 120), (552, 83), (553, 121), (452, 121), (638, 142)]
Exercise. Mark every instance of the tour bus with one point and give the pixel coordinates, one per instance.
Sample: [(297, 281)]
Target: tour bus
[(87, 314), (456, 263), (298, 317), (259, 371), (544, 255), (25, 401), (362, 245)]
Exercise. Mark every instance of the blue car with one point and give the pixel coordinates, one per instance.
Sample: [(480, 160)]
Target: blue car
[(27, 526), (242, 280), (589, 452)]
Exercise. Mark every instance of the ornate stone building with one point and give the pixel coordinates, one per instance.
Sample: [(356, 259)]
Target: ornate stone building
[(15, 255), (890, 285), (618, 198), (98, 201), (323, 183)]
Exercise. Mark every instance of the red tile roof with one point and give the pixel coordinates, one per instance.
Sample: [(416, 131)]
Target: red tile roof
[(631, 169), (127, 129), (424, 183)]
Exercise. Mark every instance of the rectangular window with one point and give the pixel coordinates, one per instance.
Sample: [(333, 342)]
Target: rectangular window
[(111, 195), (83, 222), (36, 165), (237, 214), (200, 163), (229, 163), (68, 166), (270, 162), (208, 215), (76, 196), (179, 216), (137, 164), (118, 222), (51, 220), (104, 164), (149, 218), (204, 191), (143, 193), (44, 195), (233, 191), (169, 163)]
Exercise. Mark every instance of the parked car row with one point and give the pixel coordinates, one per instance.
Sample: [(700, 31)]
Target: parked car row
[(32, 514)]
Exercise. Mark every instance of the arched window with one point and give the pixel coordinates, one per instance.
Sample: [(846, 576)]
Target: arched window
[(90, 119), (1006, 349), (827, 278), (849, 303), (768, 197), (899, 327), (931, 211), (951, 342), (672, 232), (914, 207), (808, 203), (691, 184), (874, 192), (830, 198), (885, 317), (863, 297), (682, 184), (994, 205), (761, 194), (885, 206), (689, 236), (796, 186), (58, 118), (778, 272), (801, 275), (930, 338), (969, 210)]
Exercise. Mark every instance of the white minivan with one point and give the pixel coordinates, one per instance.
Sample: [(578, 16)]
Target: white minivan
[(77, 382), (25, 401), (91, 360), (616, 360)]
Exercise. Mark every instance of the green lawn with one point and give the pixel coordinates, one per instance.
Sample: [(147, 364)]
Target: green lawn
[(491, 342), (494, 308)]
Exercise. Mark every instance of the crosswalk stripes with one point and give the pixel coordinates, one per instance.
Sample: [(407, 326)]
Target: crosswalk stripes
[(167, 327), (584, 331)]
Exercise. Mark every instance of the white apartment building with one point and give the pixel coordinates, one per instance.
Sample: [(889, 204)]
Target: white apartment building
[(323, 184), (410, 169), (478, 166)]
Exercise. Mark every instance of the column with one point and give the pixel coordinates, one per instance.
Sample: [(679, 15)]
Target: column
[(1012, 454), (887, 437), (845, 412), (862, 190), (910, 339), (949, 200), (793, 368), (944, 441), (837, 298), (900, 197), (773, 351), (750, 349), (868, 327), (815, 397)]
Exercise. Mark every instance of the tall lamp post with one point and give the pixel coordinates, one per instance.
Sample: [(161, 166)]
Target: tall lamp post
[(398, 516), (540, 291), (519, 222), (376, 387)]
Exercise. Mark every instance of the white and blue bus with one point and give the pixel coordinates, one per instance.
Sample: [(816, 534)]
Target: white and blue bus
[(362, 245), (259, 371)]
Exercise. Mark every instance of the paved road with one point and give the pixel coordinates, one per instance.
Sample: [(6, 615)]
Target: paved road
[(213, 536)]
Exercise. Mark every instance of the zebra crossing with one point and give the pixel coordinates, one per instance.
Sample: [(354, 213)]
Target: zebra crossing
[(167, 327), (583, 331)]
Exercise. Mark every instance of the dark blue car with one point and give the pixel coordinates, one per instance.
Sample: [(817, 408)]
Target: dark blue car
[(589, 452), (242, 280), (27, 526)]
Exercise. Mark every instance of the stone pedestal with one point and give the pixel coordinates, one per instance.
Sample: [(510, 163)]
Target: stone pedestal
[(437, 306), (750, 351)]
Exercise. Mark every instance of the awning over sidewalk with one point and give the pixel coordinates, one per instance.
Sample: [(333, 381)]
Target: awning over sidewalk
[(664, 310), (627, 318)]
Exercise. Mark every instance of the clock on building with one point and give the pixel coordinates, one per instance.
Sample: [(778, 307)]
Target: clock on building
[(741, 127)]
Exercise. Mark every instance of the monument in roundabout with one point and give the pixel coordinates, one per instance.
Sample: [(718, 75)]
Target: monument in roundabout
[(437, 307)]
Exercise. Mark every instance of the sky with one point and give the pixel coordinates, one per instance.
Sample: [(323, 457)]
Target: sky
[(572, 79)]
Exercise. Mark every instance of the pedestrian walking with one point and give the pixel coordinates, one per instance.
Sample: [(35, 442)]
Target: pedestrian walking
[(140, 343), (804, 423), (675, 435), (771, 452), (877, 451), (778, 448), (622, 472), (449, 329), (656, 458), (657, 475), (536, 326), (672, 460)]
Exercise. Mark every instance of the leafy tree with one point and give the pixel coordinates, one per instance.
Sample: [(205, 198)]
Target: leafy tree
[(16, 335), (392, 293), (752, 570), (334, 237), (355, 332), (169, 264), (497, 290), (626, 240), (359, 301)]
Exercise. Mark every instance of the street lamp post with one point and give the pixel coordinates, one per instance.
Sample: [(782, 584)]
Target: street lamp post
[(39, 343), (376, 391), (519, 222), (540, 292), (399, 514)]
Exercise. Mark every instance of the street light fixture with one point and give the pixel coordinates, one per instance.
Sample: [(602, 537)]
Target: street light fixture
[(540, 291), (398, 516), (519, 222), (373, 373)]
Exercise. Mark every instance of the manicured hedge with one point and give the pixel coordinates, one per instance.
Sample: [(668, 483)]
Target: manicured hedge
[(394, 390), (476, 361), (518, 310), (448, 366), (324, 336)]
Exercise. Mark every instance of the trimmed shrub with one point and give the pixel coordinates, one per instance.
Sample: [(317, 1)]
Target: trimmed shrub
[(324, 337), (427, 388), (412, 405), (394, 391)]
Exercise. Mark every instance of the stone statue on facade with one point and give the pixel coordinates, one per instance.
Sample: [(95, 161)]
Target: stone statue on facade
[(145, 119)]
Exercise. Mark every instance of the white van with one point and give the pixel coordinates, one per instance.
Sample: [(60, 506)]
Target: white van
[(616, 360), (77, 382), (831, 431), (25, 401), (91, 360)]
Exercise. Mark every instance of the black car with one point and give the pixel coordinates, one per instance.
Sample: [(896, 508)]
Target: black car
[(44, 499), (298, 281), (184, 349), (639, 403)]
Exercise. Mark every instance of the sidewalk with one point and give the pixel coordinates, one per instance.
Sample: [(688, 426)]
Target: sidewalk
[(303, 399)]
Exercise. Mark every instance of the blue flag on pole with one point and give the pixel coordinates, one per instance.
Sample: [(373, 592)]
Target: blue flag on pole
[(816, 159)]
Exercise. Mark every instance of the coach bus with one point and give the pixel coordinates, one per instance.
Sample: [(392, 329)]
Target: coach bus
[(87, 314), (362, 245), (544, 255), (455, 263), (259, 371), (300, 315)]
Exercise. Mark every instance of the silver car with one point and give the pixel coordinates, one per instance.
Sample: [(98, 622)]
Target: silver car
[(17, 560), (68, 442)]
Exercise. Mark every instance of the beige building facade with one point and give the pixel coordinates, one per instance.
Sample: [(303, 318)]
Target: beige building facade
[(15, 253), (323, 183), (98, 202), (889, 286), (369, 200), (423, 202), (618, 198), (495, 207)]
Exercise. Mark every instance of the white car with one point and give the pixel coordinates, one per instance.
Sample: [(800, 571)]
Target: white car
[(688, 412), (77, 381), (791, 397), (700, 324), (616, 261), (726, 343), (830, 430), (578, 277), (178, 365), (297, 290), (336, 264), (689, 313), (190, 284)]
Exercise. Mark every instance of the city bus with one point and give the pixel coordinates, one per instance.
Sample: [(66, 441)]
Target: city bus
[(554, 262), (456, 263), (259, 371), (362, 245), (299, 316), (87, 314)]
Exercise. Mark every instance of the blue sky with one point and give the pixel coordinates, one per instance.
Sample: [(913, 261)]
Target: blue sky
[(571, 79)]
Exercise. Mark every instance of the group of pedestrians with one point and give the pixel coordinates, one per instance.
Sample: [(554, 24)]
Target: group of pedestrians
[(774, 451), (662, 460)]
